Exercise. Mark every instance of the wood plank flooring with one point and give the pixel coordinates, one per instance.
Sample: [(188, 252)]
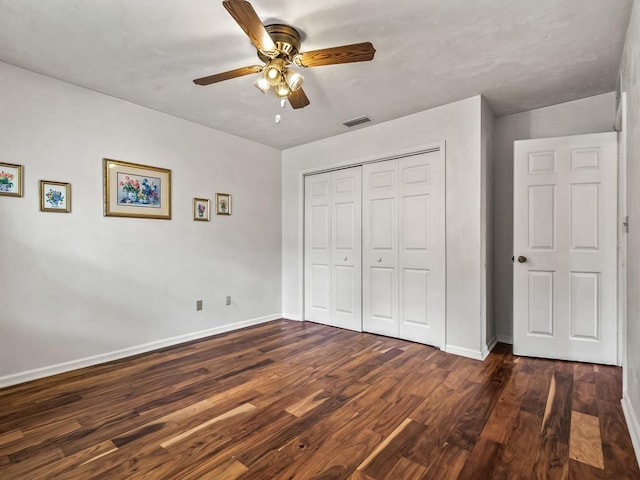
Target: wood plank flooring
[(290, 400)]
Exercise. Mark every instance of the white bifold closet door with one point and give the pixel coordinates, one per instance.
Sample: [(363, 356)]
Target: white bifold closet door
[(403, 259), (333, 248)]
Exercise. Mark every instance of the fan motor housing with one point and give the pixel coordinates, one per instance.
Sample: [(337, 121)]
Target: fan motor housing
[(286, 38)]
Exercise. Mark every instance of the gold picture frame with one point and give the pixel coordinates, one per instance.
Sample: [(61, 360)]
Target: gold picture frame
[(223, 204), (11, 179), (136, 190), (55, 196), (201, 209)]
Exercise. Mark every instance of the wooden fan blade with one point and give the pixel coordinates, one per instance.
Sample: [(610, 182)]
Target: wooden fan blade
[(357, 52), (298, 99), (245, 16), (219, 77)]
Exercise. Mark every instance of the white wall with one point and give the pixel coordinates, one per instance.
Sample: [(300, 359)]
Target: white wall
[(589, 115), (82, 285), (459, 125), (630, 80), (486, 236)]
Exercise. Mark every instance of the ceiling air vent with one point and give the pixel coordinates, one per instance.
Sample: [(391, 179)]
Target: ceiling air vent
[(356, 121)]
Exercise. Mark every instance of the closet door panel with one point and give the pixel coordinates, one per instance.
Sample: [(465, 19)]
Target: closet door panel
[(380, 248), (422, 248), (346, 273), (317, 248)]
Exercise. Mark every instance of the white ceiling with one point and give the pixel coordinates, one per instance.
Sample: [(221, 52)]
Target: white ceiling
[(519, 54)]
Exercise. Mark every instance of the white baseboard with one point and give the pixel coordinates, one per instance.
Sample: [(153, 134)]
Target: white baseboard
[(505, 339), (632, 424), (292, 316), (487, 349), (21, 377), (464, 352)]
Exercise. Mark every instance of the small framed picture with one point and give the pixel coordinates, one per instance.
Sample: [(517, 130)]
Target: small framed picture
[(10, 179), (201, 209), (55, 196), (223, 203), (134, 190)]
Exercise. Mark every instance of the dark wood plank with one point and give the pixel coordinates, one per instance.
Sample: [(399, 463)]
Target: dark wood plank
[(518, 455), (468, 428), (448, 464), (584, 399), (406, 469), (582, 471), (482, 460), (396, 445), (619, 458), (506, 410), (535, 400), (608, 383)]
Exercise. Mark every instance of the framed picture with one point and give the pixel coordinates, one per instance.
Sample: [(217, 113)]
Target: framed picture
[(201, 209), (134, 190), (55, 196), (10, 179), (223, 203)]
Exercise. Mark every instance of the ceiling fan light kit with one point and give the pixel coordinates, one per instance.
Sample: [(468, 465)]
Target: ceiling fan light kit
[(278, 47), (279, 75)]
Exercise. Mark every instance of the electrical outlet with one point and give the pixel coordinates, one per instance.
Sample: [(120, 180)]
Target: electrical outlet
[(228, 299), (198, 305)]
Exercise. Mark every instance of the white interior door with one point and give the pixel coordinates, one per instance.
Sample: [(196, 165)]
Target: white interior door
[(380, 248), (565, 276), (404, 279), (333, 248)]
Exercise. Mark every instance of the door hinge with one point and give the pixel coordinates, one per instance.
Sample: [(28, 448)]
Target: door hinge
[(625, 224)]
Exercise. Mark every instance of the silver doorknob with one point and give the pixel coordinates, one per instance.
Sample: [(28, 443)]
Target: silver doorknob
[(379, 260), (344, 259), (522, 259)]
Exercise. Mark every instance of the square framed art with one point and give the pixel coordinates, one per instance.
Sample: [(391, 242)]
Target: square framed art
[(134, 190), (11, 179), (55, 196), (201, 209), (223, 203)]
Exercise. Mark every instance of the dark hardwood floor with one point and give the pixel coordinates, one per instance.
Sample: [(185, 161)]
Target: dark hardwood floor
[(292, 400)]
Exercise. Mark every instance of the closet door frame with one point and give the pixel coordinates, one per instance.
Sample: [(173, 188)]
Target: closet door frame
[(416, 150)]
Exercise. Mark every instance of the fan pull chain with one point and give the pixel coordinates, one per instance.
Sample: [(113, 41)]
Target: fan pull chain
[(283, 103)]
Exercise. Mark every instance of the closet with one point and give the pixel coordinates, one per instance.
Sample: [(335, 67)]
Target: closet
[(375, 248)]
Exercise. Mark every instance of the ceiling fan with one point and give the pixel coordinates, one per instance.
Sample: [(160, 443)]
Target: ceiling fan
[(279, 48)]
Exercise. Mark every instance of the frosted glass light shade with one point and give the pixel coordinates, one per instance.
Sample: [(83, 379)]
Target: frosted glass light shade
[(294, 79), (262, 84), (282, 90)]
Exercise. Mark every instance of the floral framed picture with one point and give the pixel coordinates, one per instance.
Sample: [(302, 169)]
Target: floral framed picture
[(201, 209), (223, 203), (134, 190), (55, 196), (11, 179)]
